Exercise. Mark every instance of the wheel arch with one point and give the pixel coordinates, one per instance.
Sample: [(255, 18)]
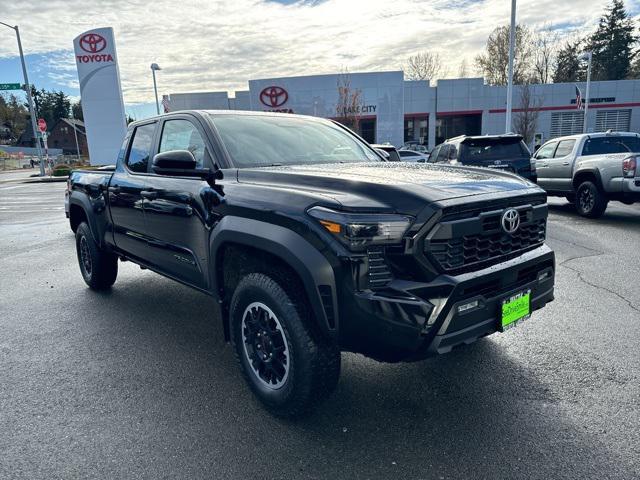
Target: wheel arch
[(586, 174), (275, 245)]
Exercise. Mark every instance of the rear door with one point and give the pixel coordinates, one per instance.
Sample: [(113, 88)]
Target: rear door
[(178, 219), (125, 197), (560, 166)]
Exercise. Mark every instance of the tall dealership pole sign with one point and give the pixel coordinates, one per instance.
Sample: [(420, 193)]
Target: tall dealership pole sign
[(101, 94)]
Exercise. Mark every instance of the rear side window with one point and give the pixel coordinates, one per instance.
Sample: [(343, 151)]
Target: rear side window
[(606, 145), (546, 151), (404, 153), (565, 147), (140, 150), (183, 135)]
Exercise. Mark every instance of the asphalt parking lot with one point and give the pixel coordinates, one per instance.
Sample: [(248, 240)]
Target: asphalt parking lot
[(139, 383)]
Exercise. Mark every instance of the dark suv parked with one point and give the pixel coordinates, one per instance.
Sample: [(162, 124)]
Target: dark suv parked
[(502, 152)]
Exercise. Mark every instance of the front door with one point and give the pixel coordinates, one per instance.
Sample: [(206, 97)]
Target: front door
[(125, 193), (560, 167), (542, 157), (178, 215)]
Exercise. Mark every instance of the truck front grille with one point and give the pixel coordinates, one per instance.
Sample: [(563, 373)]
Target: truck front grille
[(472, 250), (475, 239)]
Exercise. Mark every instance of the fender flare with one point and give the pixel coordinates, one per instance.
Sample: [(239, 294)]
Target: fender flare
[(592, 171), (312, 267), (92, 210)]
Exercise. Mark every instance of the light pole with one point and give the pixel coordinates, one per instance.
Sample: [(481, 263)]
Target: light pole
[(154, 67), (27, 87), (588, 56), (512, 47)]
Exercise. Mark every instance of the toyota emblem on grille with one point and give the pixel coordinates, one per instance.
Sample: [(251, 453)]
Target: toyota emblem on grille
[(510, 220)]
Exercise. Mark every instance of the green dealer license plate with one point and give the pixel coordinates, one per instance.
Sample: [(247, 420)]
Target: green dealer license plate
[(514, 309)]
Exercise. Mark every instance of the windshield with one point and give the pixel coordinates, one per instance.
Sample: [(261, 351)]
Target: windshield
[(261, 140), (493, 149)]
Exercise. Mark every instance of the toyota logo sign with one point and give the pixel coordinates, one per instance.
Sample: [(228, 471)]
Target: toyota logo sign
[(93, 43), (510, 220), (274, 96)]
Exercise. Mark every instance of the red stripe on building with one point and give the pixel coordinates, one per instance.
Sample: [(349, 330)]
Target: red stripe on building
[(568, 107)]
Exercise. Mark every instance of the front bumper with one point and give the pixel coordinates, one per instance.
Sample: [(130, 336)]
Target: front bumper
[(410, 320)]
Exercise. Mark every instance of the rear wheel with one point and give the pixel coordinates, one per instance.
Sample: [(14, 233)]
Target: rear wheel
[(99, 268), (590, 201), (288, 365)]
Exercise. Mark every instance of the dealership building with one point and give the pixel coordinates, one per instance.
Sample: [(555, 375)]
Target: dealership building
[(392, 109)]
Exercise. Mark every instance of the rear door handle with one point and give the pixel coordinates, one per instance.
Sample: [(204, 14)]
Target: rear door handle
[(149, 194), (565, 163), (115, 189)]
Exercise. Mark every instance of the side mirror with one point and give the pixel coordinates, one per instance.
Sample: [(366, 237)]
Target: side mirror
[(178, 163)]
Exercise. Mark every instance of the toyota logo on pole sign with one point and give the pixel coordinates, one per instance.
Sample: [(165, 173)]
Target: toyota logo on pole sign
[(274, 97), (93, 43)]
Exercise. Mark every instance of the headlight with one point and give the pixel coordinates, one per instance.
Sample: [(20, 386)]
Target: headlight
[(359, 230)]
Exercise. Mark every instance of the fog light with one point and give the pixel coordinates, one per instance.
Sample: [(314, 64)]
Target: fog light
[(468, 306)]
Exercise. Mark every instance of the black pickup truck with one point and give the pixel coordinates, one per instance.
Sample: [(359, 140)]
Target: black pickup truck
[(313, 244)]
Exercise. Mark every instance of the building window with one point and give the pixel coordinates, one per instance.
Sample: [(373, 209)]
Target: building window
[(408, 129), (450, 126), (566, 123), (616, 120), (424, 132)]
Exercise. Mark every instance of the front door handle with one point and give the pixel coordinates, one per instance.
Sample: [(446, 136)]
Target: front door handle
[(115, 189), (149, 194)]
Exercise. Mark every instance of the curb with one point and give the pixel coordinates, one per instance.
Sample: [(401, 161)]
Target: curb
[(44, 180)]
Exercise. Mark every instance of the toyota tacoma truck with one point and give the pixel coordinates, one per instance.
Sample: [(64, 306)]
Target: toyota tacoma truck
[(312, 244), (591, 169)]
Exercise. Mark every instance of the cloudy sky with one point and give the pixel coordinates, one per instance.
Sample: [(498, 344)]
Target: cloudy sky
[(221, 44)]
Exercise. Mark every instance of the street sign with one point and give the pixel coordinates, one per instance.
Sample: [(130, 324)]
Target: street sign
[(42, 125), (10, 86)]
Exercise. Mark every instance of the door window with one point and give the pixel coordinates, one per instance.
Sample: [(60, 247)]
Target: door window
[(546, 151), (565, 147), (140, 150), (183, 135)]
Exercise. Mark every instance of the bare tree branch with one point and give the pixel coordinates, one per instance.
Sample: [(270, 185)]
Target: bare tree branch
[(494, 62), (349, 103), (525, 121), (425, 66)]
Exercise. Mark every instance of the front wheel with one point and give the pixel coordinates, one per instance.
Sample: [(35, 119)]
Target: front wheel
[(590, 201), (99, 268), (288, 365)]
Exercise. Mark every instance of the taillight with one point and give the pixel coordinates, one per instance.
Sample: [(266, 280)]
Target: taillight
[(629, 166)]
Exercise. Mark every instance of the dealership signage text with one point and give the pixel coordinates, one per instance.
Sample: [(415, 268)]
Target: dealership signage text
[(98, 57), (356, 109)]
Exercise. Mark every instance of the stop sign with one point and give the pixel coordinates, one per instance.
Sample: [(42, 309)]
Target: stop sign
[(42, 125)]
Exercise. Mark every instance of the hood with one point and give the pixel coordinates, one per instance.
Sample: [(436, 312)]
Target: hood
[(398, 186)]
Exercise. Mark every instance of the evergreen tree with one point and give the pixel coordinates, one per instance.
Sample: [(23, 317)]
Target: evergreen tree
[(568, 68), (76, 111), (612, 44)]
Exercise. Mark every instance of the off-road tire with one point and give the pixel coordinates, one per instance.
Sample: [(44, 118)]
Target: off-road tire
[(313, 360), (590, 201), (99, 268)]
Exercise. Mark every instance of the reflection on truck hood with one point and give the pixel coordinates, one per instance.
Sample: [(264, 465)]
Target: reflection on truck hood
[(406, 187)]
